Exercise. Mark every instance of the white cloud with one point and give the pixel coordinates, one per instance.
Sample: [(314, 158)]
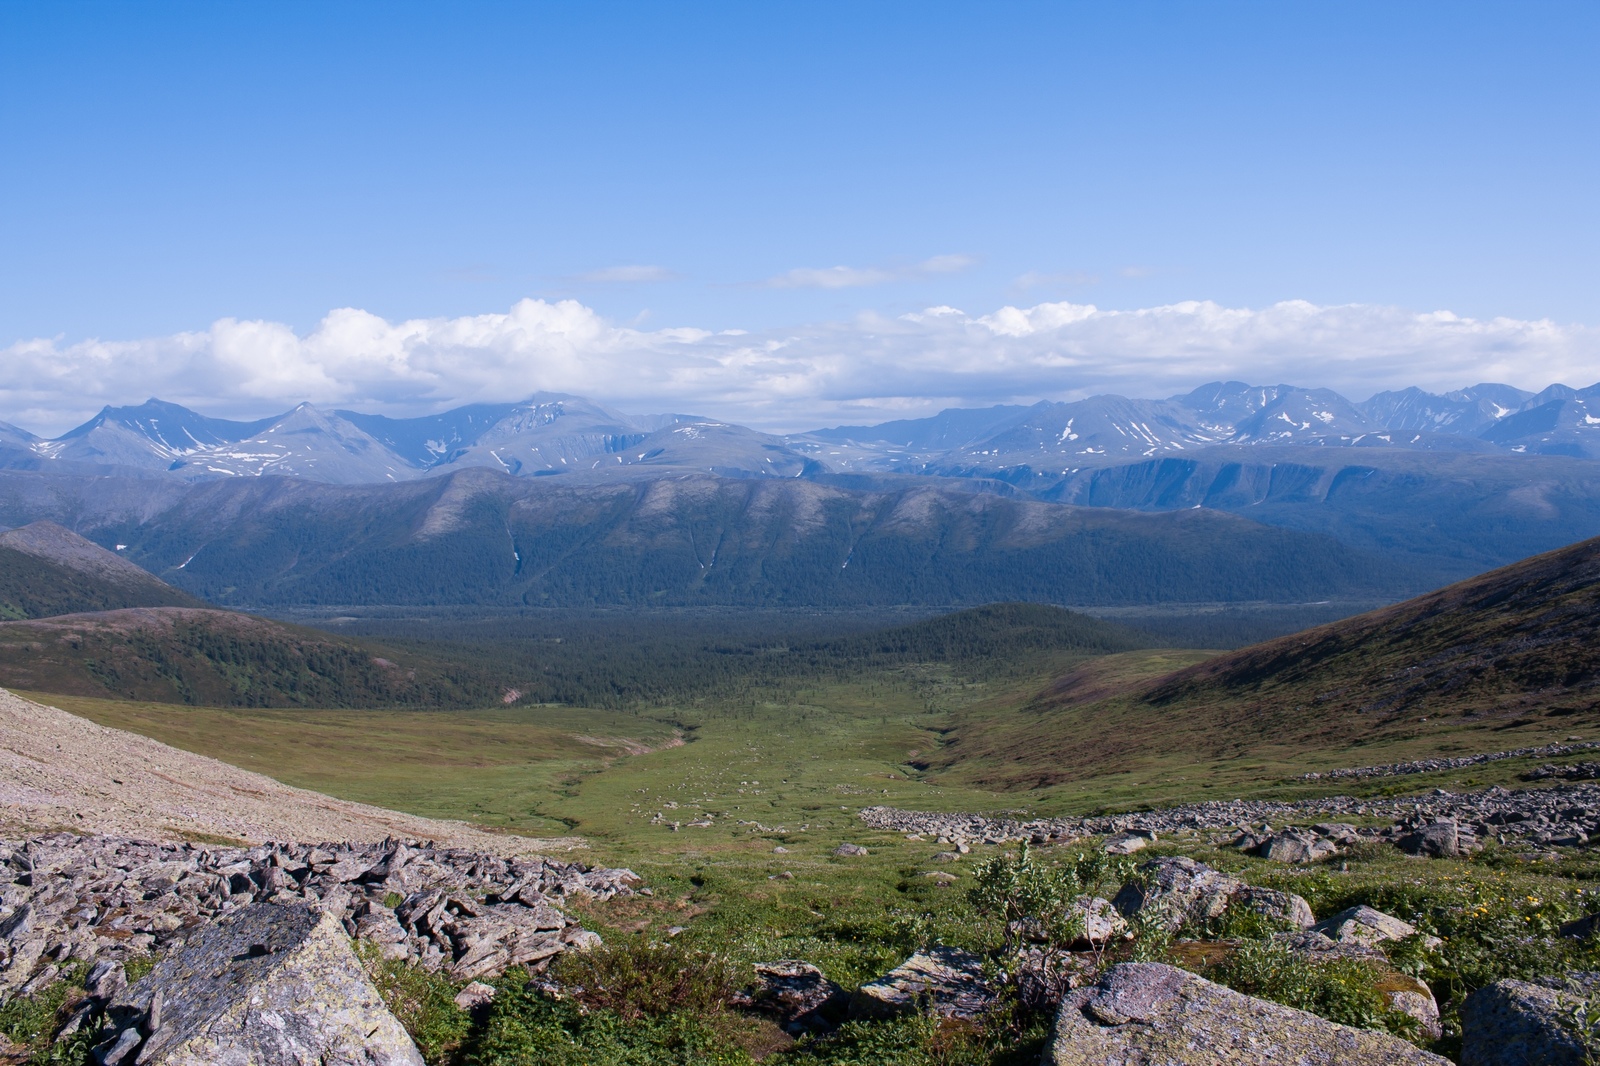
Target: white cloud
[(843, 277), (789, 378), (1035, 280), (628, 274)]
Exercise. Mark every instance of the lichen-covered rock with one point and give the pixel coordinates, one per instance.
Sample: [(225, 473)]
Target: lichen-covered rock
[(1177, 890), (1279, 906), (1514, 1023), (1364, 925), (947, 981), (1144, 1014), (268, 985)]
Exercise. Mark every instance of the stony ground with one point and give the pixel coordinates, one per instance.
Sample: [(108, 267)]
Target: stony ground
[(62, 772)]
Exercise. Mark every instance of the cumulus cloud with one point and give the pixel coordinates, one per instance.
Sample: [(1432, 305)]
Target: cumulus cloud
[(843, 277), (627, 274), (868, 366)]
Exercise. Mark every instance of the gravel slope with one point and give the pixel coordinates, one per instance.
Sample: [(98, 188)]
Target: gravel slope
[(59, 771)]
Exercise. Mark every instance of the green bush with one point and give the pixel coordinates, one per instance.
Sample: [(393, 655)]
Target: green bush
[(648, 980), (423, 1001), (527, 1027), (1340, 990)]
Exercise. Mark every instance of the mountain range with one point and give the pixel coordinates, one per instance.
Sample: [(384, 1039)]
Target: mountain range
[(1029, 446), (559, 501)]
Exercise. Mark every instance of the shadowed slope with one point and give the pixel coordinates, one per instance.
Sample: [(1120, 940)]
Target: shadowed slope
[(47, 570), (1517, 649)]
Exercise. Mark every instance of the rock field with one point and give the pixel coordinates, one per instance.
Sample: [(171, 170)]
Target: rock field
[(1539, 817), (101, 899), (1428, 766)]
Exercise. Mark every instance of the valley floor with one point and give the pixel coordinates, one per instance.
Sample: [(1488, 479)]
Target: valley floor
[(732, 811)]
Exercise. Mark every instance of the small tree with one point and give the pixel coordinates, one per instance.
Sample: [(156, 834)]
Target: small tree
[(1039, 900)]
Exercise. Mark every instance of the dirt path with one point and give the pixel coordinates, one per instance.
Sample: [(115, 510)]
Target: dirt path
[(59, 771)]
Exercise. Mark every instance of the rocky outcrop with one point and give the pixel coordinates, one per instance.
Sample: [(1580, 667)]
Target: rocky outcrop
[(70, 898), (948, 982), (797, 994), (267, 985), (1514, 1023), (1147, 1013)]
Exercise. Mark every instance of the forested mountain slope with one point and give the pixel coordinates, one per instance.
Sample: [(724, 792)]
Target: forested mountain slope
[(47, 570), (480, 537)]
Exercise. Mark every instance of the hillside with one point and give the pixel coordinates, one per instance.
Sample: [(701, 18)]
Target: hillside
[(59, 771), (1519, 639), (223, 659), (1514, 650), (479, 537), (47, 570)]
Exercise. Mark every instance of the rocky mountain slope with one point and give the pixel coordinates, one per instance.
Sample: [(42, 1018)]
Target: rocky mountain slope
[(556, 434)]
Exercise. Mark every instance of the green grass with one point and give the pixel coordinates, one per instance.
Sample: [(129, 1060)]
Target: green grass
[(792, 774)]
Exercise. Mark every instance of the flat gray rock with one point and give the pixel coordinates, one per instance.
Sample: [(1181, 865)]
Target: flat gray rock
[(947, 981), (267, 985), (1147, 1014), (1514, 1023)]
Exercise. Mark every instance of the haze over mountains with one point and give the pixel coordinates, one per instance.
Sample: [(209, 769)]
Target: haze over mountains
[(559, 501), (553, 434)]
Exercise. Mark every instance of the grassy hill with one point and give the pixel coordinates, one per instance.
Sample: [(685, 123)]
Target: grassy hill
[(47, 570), (222, 659), (1478, 666), (225, 659)]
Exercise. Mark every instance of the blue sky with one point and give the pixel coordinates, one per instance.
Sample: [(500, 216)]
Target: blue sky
[(784, 167)]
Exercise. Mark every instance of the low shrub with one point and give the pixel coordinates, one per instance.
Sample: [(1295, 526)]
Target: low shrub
[(424, 1002), (529, 1027), (637, 980), (1340, 990)]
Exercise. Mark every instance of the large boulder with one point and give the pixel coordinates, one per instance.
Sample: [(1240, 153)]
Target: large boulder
[(1147, 1014), (1177, 890), (1514, 1023), (267, 985), (1295, 845), (946, 981), (1438, 840), (1364, 925), (1285, 907)]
